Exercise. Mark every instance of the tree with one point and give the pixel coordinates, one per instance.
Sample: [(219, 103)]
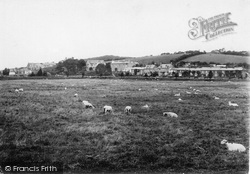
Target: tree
[(6, 71), (127, 73), (100, 69), (32, 74), (155, 73), (81, 65), (210, 75), (121, 74), (176, 75), (108, 69), (40, 72)]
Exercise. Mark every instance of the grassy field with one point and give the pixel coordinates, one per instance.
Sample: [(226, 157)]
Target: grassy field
[(45, 123), (218, 58)]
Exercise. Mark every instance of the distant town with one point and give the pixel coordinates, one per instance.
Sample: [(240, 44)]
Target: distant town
[(215, 64)]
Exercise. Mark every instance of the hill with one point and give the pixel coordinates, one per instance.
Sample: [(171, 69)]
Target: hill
[(218, 58), (109, 57), (157, 59), (143, 60)]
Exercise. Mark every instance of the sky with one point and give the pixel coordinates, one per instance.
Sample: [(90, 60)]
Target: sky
[(37, 31)]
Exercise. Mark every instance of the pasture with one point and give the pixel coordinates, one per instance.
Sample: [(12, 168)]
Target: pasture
[(46, 123)]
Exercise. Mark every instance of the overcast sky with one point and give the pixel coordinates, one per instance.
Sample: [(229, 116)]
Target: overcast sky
[(49, 30)]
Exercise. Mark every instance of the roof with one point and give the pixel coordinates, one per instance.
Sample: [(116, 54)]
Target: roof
[(210, 69)]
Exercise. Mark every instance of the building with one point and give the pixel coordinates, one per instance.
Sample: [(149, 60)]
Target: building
[(24, 71), (12, 72), (136, 70), (217, 71), (165, 69), (92, 64), (120, 65)]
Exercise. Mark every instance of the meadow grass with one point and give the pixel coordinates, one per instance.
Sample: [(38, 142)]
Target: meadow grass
[(46, 124)]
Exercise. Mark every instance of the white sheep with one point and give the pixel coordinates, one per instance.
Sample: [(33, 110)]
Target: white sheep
[(188, 92), (216, 98), (107, 109), (75, 95), (232, 104), (177, 95), (170, 114), (87, 104), (16, 90), (197, 90), (180, 99), (21, 90), (145, 107), (128, 109), (234, 146)]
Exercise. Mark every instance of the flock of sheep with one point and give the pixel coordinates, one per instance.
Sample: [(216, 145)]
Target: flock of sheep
[(128, 109)]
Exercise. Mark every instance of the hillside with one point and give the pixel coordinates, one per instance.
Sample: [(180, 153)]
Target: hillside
[(142, 60), (157, 59), (109, 57), (218, 58)]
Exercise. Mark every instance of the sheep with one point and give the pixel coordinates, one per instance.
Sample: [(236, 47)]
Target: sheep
[(216, 98), (234, 146), (197, 90), (180, 99), (188, 92), (21, 90), (107, 109), (75, 95), (128, 109), (65, 88), (145, 107), (177, 95), (87, 104), (232, 104), (170, 114), (16, 90)]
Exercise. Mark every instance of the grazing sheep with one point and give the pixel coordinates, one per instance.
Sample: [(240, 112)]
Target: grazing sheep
[(128, 109), (16, 90), (139, 89), (65, 88), (87, 104), (216, 98), (170, 114), (21, 90), (177, 95), (198, 90), (145, 107), (75, 95), (232, 104), (180, 99), (107, 109), (188, 92), (234, 146)]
